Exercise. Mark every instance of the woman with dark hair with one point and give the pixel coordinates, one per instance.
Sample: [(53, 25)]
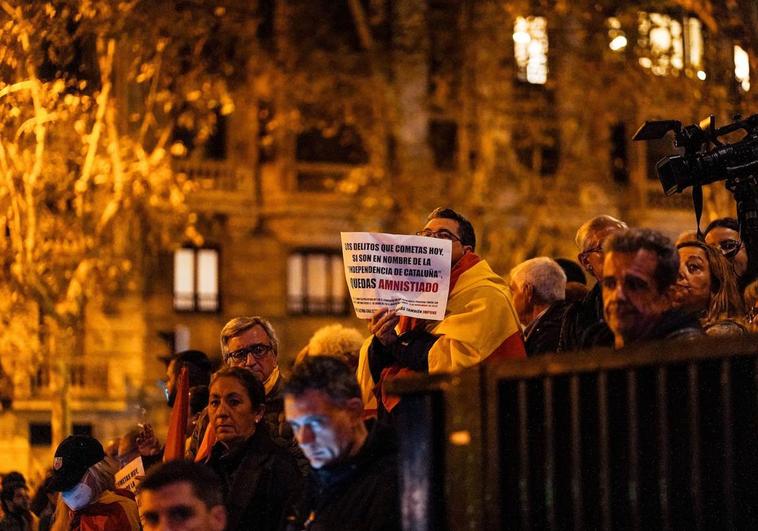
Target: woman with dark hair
[(261, 479), (707, 286)]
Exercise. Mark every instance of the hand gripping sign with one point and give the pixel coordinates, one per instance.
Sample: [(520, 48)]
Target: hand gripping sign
[(408, 273)]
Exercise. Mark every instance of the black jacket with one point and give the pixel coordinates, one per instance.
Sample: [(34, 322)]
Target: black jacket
[(543, 334), (676, 325), (261, 481), (583, 325), (358, 494)]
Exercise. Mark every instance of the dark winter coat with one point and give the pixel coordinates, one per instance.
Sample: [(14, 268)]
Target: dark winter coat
[(358, 494), (261, 482), (583, 325), (543, 334)]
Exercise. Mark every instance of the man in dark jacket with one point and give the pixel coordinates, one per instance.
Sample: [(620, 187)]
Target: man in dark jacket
[(354, 478), (252, 343), (583, 324), (639, 272), (539, 289)]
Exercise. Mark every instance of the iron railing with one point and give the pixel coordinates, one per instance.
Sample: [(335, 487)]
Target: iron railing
[(658, 436)]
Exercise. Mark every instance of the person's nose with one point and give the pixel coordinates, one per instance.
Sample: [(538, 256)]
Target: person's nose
[(223, 410), (251, 361), (617, 293), (305, 435)]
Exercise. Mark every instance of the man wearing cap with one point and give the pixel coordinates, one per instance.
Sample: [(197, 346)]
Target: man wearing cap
[(85, 478), (15, 501)]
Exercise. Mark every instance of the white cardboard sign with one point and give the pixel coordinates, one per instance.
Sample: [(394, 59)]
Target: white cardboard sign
[(408, 273), (130, 476)]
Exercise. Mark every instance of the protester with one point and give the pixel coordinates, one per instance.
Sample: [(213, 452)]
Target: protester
[(181, 496), (707, 288), (639, 272), (480, 321), (354, 479), (15, 501), (251, 343), (43, 503), (576, 281), (334, 340), (539, 291), (261, 479), (583, 324), (724, 233), (198, 370), (84, 475)]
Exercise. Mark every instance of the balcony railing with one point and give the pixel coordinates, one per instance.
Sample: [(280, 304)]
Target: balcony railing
[(654, 437), (87, 379), (217, 176)]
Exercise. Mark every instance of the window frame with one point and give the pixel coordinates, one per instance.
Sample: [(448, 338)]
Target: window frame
[(306, 304), (195, 279)]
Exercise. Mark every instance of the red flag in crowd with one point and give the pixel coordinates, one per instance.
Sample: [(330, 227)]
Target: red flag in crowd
[(178, 423)]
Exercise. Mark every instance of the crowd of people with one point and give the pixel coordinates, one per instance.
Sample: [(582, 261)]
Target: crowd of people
[(316, 448)]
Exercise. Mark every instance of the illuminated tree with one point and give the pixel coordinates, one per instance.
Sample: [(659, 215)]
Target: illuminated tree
[(90, 98)]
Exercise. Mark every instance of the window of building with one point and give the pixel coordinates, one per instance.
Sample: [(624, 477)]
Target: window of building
[(316, 283), (530, 45), (41, 433), (668, 45), (742, 68), (619, 155), (443, 139), (196, 280)]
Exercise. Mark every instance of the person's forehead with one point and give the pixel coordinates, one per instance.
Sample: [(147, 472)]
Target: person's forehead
[(718, 234), (171, 495), (227, 385), (687, 253), (641, 263), (311, 403), (437, 224), (251, 336), (597, 237)]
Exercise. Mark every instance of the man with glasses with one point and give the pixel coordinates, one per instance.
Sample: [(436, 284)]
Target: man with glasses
[(480, 322), (251, 343), (724, 234), (583, 325)]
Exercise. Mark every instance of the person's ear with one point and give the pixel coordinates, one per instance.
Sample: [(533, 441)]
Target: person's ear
[(528, 290), (467, 249), (354, 406), (259, 414), (218, 517), (584, 260)]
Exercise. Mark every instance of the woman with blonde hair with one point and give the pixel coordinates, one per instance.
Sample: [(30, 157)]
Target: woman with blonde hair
[(707, 286)]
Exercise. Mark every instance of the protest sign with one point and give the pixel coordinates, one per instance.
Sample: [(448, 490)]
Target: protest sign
[(408, 273), (130, 475)]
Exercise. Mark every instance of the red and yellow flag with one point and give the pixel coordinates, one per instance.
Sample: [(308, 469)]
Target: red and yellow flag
[(178, 423)]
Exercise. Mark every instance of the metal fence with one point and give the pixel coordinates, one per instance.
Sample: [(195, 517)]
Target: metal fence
[(658, 436)]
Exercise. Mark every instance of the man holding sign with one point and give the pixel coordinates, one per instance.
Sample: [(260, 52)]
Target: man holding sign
[(479, 324)]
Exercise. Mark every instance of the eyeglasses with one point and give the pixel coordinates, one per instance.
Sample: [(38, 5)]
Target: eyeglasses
[(584, 254), (440, 234), (729, 248), (259, 351)]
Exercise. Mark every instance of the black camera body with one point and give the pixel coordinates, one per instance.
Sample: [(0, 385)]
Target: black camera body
[(706, 159)]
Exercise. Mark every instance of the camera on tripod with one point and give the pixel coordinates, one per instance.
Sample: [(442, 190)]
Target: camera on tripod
[(698, 165), (706, 159)]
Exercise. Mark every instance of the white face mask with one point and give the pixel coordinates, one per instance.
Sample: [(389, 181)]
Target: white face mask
[(77, 497)]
